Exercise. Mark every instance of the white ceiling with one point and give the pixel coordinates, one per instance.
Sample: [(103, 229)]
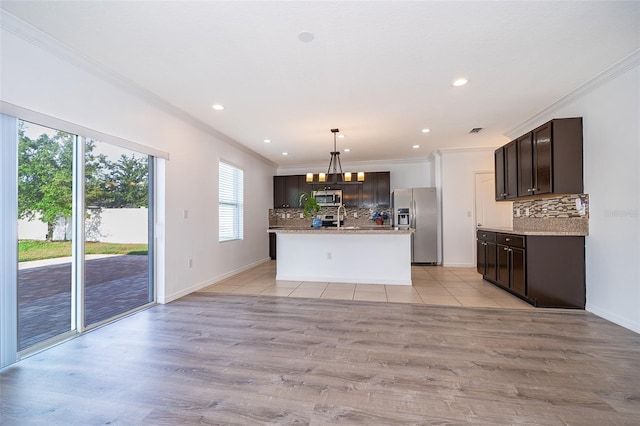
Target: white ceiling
[(380, 71)]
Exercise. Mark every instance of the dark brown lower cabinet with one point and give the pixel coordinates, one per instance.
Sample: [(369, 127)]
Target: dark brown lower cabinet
[(272, 245), (486, 249), (545, 270), (502, 269), (518, 278), (511, 269), (556, 271)]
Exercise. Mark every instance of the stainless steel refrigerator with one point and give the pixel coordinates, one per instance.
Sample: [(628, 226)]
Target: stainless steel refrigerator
[(417, 208)]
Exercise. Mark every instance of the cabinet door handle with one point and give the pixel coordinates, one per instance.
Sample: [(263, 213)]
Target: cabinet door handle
[(530, 189)]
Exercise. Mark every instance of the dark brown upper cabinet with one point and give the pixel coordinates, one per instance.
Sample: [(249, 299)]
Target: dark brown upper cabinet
[(287, 190), (376, 189), (547, 160), (373, 192), (279, 192), (550, 159), (506, 171), (351, 195)]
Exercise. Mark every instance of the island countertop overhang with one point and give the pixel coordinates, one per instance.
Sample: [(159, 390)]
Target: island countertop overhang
[(387, 230)]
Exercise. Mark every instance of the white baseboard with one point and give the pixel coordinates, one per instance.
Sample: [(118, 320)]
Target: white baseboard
[(209, 282), (366, 280), (614, 318), (459, 265)]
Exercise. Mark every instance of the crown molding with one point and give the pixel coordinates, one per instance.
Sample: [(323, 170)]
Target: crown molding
[(463, 150), (612, 72), (42, 40), (354, 164)]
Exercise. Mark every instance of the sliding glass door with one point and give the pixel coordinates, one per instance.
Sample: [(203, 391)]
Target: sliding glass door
[(85, 227), (117, 262), (45, 188)]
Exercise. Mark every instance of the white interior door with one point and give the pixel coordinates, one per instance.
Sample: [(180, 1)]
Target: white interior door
[(488, 212)]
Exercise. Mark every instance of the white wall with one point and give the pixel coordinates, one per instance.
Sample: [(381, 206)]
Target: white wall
[(610, 107), (124, 225), (404, 173), (457, 185), (38, 79)]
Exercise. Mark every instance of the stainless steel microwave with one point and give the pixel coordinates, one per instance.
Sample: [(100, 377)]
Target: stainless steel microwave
[(328, 197)]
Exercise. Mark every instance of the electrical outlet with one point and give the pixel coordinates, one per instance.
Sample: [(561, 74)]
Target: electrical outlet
[(190, 263), (329, 255), (518, 212), (288, 215), (301, 215), (526, 211), (355, 215), (284, 216), (185, 214)]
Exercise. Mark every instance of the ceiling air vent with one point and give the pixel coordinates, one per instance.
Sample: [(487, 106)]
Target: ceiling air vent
[(476, 130)]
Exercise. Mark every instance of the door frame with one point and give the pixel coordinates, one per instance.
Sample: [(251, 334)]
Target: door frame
[(9, 116), (476, 174)]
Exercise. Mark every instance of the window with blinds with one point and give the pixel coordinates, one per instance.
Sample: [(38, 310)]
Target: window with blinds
[(230, 207)]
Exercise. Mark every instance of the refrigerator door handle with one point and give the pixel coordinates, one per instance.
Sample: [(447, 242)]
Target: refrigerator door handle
[(413, 215)]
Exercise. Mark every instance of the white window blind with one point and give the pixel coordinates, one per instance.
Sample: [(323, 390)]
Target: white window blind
[(230, 207)]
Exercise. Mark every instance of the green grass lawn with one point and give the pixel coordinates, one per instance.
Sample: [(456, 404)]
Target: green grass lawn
[(37, 250)]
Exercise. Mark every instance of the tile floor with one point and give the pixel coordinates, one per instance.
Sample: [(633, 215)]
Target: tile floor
[(432, 285)]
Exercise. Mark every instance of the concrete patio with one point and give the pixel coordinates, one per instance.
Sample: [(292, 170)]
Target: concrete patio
[(114, 285)]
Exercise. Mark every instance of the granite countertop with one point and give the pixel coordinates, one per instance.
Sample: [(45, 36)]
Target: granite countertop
[(341, 230), (531, 232)]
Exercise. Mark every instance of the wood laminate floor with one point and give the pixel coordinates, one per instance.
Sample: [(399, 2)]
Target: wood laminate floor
[(213, 358)]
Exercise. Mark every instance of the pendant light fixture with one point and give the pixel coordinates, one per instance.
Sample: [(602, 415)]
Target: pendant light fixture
[(334, 171)]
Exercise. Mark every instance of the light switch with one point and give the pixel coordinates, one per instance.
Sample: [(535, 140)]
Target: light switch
[(185, 214)]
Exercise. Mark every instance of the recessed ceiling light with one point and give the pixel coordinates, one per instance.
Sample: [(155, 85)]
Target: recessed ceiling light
[(347, 150), (285, 153), (305, 37), (218, 107), (460, 82), (426, 130), (415, 146), (267, 141)]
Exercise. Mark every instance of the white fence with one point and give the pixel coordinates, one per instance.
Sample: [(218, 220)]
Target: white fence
[(103, 225)]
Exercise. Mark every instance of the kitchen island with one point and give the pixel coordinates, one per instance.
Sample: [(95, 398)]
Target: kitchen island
[(369, 255)]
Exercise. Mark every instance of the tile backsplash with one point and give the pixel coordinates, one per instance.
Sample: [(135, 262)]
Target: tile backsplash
[(569, 212), (291, 217)]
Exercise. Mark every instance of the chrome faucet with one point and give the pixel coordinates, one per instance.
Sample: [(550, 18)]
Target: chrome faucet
[(344, 209)]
